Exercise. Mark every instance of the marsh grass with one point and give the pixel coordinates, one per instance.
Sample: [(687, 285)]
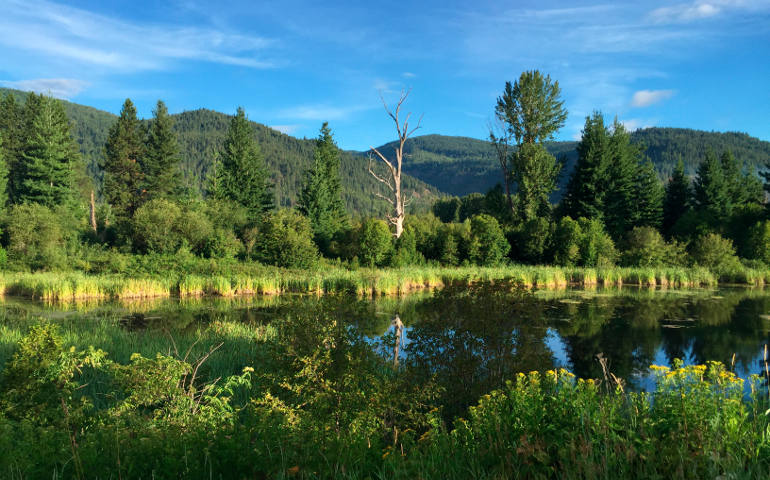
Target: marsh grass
[(71, 286)]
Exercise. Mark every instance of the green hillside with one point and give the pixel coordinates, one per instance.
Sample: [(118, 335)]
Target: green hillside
[(201, 133), (461, 165)]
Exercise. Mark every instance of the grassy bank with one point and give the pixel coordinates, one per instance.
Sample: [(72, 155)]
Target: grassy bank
[(364, 282)]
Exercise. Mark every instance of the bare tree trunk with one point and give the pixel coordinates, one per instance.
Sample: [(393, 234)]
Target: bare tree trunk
[(399, 326), (393, 180), (93, 212)]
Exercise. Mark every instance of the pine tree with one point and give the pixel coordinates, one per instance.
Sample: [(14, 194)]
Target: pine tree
[(649, 197), (677, 200), (3, 175), (48, 159), (11, 130), (619, 201), (241, 172), (123, 156), (588, 184), (160, 163), (742, 188), (321, 197), (711, 195)]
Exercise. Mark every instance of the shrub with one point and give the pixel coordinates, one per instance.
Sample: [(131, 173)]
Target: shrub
[(566, 241), (758, 242), (715, 252), (487, 245), (647, 248), (154, 227), (596, 247), (35, 237), (406, 250), (285, 239), (375, 243), (531, 240)]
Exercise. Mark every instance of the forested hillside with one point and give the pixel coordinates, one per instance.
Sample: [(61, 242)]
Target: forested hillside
[(461, 165), (201, 133)]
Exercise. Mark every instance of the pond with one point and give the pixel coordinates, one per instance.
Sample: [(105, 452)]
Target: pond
[(469, 340)]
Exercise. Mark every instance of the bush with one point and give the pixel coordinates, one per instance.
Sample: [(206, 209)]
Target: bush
[(154, 227), (647, 248), (406, 250), (596, 247), (715, 253), (531, 240), (36, 239), (566, 241), (375, 243), (487, 245), (758, 242), (285, 239)]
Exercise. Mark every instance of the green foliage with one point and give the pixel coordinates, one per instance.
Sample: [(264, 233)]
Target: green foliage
[(487, 244), (321, 196), (285, 240), (596, 247), (534, 172), (375, 243), (532, 240), (677, 199), (648, 197), (758, 245), (645, 247), (160, 163), (532, 108), (162, 226), (566, 240), (447, 209), (588, 185), (406, 250), (620, 200), (241, 172), (37, 237), (45, 168), (123, 155), (714, 252)]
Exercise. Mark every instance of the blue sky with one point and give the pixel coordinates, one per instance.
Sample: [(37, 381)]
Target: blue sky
[(701, 64)]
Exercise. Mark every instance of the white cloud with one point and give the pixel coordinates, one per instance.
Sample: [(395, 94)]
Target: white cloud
[(645, 98), (287, 129), (408, 75), (77, 35), (320, 112), (65, 88), (632, 124), (701, 9)]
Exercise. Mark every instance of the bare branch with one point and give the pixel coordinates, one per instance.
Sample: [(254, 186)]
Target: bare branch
[(389, 200), (379, 178)]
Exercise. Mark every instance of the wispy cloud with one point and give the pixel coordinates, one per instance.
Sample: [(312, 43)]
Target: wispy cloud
[(632, 124), (287, 129), (321, 112), (62, 32), (65, 88), (702, 9), (645, 98), (408, 75)]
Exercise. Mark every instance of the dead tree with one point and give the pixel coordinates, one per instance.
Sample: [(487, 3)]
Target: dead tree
[(392, 180)]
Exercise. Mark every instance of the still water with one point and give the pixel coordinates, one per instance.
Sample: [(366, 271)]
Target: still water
[(472, 339)]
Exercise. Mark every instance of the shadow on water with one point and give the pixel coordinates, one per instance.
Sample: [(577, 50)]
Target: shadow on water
[(467, 340)]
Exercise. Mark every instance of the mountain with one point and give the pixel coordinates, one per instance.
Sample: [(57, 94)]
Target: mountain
[(461, 165), (201, 134)]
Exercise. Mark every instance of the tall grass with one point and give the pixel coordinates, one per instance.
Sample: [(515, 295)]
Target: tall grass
[(363, 282)]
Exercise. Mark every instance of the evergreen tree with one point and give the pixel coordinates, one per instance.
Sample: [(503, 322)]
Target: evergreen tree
[(160, 163), (48, 158), (321, 197), (3, 175), (241, 173), (742, 188), (11, 130), (677, 200), (123, 156), (588, 185), (649, 197), (711, 195), (619, 201)]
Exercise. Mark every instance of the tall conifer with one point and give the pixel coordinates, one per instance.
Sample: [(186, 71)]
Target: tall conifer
[(677, 199), (588, 186), (619, 201), (241, 172), (711, 192), (160, 163), (49, 156), (123, 157), (648, 198), (321, 196)]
